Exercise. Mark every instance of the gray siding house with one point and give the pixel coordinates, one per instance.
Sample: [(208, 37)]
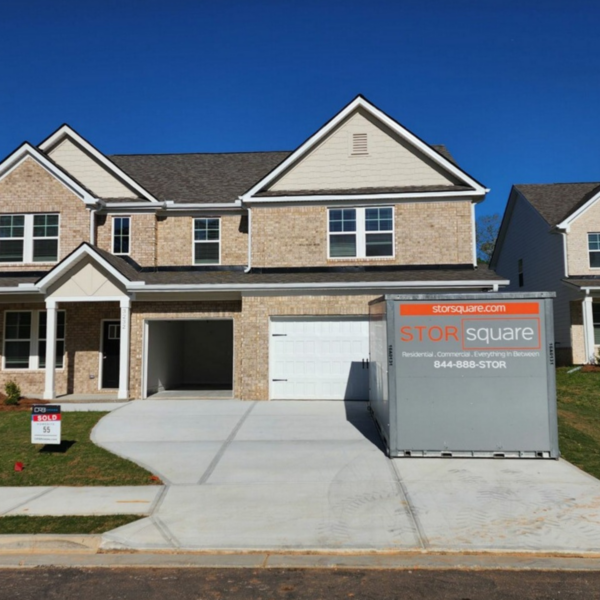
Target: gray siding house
[(549, 240)]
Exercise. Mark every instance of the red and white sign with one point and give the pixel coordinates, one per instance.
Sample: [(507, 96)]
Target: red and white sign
[(45, 424)]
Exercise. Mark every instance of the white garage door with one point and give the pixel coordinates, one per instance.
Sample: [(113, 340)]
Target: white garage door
[(315, 358)]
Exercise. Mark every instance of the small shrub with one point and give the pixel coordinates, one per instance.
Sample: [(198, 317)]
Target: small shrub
[(13, 393)]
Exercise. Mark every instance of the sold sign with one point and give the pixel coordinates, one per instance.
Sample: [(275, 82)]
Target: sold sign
[(45, 424)]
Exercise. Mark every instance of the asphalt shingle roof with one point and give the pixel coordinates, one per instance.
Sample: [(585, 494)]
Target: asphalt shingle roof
[(556, 201), (221, 178), (206, 178)]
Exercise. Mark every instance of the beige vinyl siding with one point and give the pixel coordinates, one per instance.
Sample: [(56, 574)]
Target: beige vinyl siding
[(88, 171), (577, 241), (528, 237), (389, 162)]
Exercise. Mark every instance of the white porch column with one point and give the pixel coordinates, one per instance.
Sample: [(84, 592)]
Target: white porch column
[(124, 350), (50, 388), (588, 330)]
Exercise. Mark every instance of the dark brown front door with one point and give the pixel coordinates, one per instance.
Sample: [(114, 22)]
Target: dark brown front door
[(111, 345)]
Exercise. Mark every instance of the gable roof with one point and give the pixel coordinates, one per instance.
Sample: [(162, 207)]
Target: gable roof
[(207, 178), (67, 132), (26, 150), (558, 201), (440, 158)]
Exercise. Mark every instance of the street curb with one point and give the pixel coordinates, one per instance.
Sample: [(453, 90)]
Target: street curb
[(49, 544)]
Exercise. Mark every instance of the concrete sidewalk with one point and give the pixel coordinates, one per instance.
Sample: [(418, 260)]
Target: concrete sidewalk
[(312, 476)]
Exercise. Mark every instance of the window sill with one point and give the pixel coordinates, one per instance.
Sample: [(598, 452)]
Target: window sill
[(357, 259), (42, 370)]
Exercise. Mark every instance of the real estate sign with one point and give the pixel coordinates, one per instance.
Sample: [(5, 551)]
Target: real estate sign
[(45, 424)]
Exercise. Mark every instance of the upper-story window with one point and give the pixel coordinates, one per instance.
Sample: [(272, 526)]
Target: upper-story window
[(207, 241), (29, 238), (594, 249), (361, 232), (121, 235)]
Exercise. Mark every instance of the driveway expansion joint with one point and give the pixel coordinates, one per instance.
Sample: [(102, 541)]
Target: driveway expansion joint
[(219, 455)]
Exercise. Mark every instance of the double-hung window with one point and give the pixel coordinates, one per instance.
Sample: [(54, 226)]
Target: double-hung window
[(25, 339), (207, 241), (29, 238), (594, 249), (361, 232), (121, 235)]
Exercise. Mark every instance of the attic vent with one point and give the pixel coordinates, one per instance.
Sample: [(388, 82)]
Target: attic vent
[(359, 144)]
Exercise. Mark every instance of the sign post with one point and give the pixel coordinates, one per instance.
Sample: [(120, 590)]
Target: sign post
[(45, 424)]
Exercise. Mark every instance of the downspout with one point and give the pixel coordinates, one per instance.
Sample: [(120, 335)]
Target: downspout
[(249, 267), (93, 226), (565, 258)]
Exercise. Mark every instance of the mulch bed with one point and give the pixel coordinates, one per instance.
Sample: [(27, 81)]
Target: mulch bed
[(590, 369), (24, 404)]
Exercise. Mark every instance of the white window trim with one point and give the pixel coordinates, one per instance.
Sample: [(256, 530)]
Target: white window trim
[(34, 340), (194, 242), (112, 236), (361, 234), (589, 252), (28, 240)]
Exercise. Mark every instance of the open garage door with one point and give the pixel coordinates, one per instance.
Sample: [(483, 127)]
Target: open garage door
[(189, 358), (319, 358)]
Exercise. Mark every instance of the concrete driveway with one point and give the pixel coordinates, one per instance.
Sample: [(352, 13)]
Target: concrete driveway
[(313, 476)]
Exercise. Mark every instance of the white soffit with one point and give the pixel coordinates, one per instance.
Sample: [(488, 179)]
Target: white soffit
[(361, 103), (26, 150), (67, 132)]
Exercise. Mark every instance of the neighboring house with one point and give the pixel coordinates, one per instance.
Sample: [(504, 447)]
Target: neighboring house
[(549, 240), (240, 274)]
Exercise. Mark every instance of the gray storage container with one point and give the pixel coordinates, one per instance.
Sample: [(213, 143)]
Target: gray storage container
[(464, 374)]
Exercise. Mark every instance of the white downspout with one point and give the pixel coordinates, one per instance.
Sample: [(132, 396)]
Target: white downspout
[(565, 258), (249, 267), (93, 226)]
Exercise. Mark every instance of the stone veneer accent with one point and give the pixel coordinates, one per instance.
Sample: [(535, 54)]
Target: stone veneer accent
[(30, 188), (426, 233)]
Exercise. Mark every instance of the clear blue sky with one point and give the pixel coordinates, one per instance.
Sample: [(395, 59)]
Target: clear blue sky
[(512, 87)]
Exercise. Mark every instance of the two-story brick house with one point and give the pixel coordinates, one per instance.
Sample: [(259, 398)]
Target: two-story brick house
[(549, 240), (248, 273)]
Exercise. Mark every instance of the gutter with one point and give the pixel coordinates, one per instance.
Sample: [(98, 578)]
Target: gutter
[(361, 285), (362, 197)]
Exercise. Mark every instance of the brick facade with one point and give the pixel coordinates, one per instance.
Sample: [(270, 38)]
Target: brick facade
[(81, 371), (142, 241), (142, 311), (256, 313), (426, 233), (30, 188), (175, 239)]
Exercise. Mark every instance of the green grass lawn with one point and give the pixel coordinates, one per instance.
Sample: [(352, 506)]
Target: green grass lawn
[(579, 419), (78, 525), (76, 462)]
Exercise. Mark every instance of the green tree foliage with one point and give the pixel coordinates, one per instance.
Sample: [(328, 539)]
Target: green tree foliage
[(487, 232)]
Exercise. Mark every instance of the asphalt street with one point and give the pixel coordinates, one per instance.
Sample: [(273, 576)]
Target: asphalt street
[(294, 584)]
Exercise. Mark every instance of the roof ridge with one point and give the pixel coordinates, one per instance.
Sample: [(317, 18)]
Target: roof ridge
[(559, 183), (202, 153)]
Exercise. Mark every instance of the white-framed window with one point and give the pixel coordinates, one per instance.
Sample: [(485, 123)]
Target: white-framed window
[(31, 238), (594, 249), (207, 241), (25, 339), (366, 232), (121, 235)]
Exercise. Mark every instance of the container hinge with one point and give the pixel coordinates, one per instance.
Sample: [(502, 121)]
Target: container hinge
[(279, 334), (279, 380)]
